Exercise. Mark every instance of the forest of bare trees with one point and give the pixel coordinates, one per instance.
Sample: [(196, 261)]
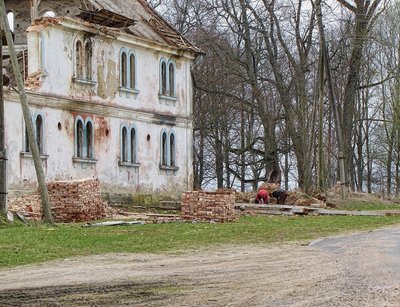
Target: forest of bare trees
[(263, 100)]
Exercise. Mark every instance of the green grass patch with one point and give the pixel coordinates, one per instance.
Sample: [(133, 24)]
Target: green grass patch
[(367, 205), (21, 245)]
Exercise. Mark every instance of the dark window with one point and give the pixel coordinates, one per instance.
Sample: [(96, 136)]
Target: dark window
[(27, 148), (89, 140), (124, 144), (39, 132), (79, 139), (172, 148), (133, 145), (171, 72), (132, 67), (88, 60), (79, 60), (163, 78), (124, 73), (164, 149)]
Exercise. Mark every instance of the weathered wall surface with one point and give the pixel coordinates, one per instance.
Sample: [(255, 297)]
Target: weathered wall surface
[(53, 93), (59, 119), (57, 44)]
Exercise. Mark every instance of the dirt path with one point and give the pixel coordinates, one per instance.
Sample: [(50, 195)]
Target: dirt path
[(357, 270)]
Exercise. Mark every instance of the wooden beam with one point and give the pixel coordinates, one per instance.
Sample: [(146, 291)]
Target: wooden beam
[(27, 116), (34, 10)]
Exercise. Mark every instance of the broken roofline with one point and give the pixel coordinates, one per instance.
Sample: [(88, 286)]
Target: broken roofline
[(106, 18), (156, 16), (74, 24)]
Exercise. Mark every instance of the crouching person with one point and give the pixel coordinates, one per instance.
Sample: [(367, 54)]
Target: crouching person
[(262, 197), (280, 195)]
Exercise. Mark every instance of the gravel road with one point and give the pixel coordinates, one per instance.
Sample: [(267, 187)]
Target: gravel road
[(354, 270)]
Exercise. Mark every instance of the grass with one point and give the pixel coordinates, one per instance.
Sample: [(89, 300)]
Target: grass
[(20, 245), (367, 205)]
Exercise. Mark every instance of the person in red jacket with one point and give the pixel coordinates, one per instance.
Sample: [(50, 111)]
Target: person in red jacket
[(262, 197)]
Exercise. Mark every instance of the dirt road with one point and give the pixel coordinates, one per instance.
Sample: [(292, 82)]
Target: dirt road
[(356, 270)]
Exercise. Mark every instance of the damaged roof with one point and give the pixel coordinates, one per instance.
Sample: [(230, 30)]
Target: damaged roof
[(141, 19), (106, 18)]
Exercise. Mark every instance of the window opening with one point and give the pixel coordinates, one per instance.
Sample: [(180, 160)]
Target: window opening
[(88, 60), (132, 71), (163, 78), (50, 14), (79, 60), (39, 133), (27, 148), (124, 74), (10, 17), (171, 72), (164, 149), (89, 140), (79, 139), (124, 144), (133, 145), (172, 149)]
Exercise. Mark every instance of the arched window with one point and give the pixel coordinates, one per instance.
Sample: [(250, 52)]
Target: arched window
[(128, 71), (164, 152), (132, 71), (27, 147), (79, 59), (172, 149), (124, 72), (79, 138), (39, 132), (83, 60), (84, 138), (10, 17), (167, 77), (133, 145), (88, 60), (50, 14), (168, 150), (163, 78), (171, 78), (124, 147), (89, 140)]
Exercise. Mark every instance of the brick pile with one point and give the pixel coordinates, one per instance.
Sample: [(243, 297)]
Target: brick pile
[(28, 205), (76, 201), (218, 206), (71, 201)]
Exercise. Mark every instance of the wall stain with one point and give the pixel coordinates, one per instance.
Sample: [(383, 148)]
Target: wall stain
[(107, 87)]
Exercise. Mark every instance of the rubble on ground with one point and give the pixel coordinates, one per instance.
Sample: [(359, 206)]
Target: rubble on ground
[(296, 197), (71, 201)]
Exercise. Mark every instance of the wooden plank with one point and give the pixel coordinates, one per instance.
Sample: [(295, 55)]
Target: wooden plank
[(303, 210)]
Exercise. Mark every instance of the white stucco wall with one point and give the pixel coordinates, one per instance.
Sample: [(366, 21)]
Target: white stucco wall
[(60, 99)]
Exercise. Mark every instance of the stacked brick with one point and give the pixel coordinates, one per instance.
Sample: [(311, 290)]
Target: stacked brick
[(218, 206), (71, 201), (76, 201)]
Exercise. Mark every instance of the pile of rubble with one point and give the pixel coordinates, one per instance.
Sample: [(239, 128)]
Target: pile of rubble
[(218, 206), (296, 197), (71, 201)]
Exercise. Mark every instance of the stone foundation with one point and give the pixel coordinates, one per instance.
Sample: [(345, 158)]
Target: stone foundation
[(216, 206)]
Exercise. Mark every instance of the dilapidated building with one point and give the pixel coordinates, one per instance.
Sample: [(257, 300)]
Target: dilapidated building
[(110, 92)]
